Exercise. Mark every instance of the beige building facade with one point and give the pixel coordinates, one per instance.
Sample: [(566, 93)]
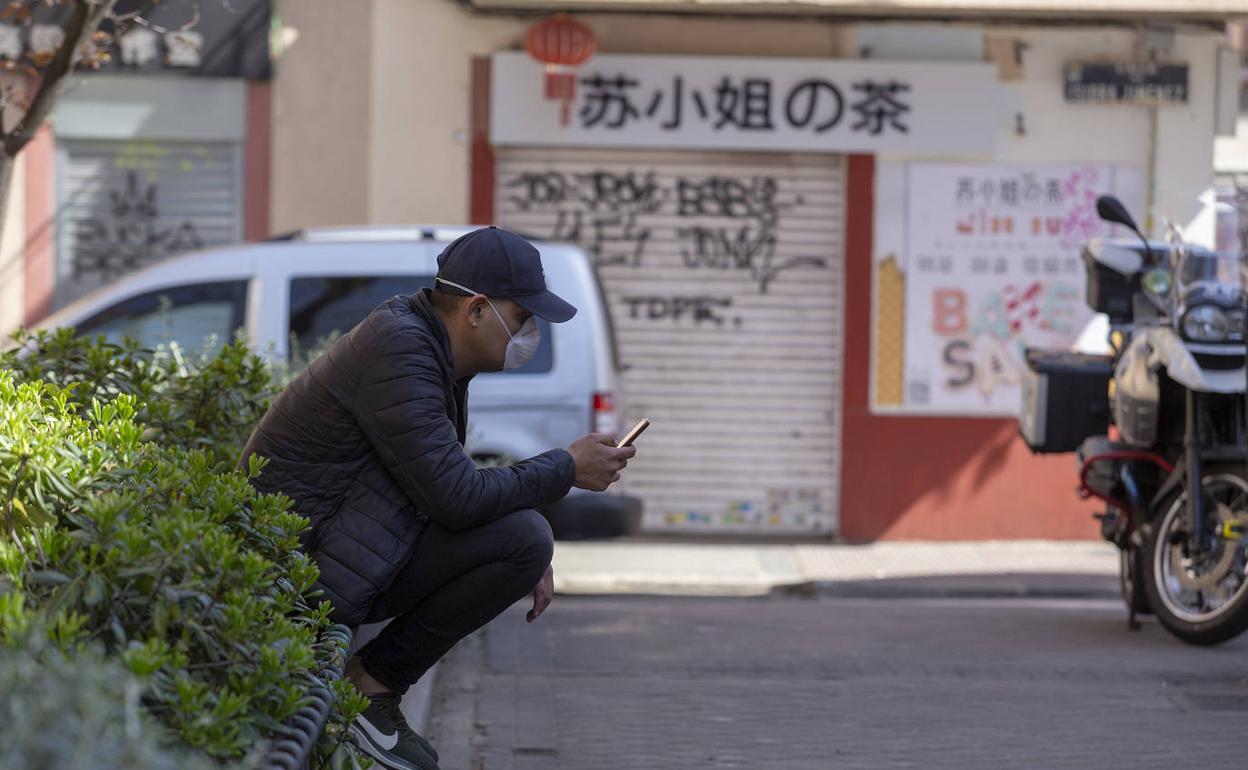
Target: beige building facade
[(372, 108), (766, 280)]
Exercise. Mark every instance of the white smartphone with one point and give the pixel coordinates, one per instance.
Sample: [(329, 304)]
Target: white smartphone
[(632, 435)]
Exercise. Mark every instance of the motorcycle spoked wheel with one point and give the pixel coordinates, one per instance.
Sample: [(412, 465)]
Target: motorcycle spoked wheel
[(1201, 599)]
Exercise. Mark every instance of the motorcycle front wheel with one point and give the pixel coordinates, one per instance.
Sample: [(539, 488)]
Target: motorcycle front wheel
[(1201, 596)]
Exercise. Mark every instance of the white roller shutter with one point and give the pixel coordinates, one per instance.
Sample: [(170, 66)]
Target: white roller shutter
[(723, 272), (125, 204)]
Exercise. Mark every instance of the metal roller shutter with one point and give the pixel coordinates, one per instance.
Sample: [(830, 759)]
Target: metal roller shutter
[(126, 204), (723, 273)]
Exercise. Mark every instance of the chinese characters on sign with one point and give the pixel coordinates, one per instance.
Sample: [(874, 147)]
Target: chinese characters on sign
[(748, 105), (993, 267), (714, 102)]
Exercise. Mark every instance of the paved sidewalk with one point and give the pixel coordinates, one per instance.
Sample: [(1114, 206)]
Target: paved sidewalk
[(665, 683), (1037, 569), (1007, 568)]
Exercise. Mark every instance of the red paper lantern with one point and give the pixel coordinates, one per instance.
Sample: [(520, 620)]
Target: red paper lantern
[(561, 44)]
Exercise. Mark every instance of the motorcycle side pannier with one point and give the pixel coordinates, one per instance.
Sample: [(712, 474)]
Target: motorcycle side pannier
[(1065, 399)]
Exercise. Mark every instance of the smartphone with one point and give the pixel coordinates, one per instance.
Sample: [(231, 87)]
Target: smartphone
[(632, 435)]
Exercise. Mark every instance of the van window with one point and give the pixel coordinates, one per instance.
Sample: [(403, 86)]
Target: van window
[(201, 316), (324, 307)]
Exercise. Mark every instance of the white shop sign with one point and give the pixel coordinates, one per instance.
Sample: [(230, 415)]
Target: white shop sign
[(734, 103)]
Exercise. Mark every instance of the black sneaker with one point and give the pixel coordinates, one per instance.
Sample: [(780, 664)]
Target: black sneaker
[(383, 734)]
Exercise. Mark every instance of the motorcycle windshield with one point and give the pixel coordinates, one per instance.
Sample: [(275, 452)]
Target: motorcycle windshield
[(1211, 295), (1211, 276)]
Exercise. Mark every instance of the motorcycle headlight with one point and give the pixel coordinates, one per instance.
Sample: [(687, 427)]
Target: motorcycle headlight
[(1206, 323)]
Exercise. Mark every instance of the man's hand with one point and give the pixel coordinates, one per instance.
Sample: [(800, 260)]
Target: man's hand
[(598, 462), (542, 594)]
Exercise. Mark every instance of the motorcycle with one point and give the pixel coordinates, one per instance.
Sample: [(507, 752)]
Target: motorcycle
[(1158, 425)]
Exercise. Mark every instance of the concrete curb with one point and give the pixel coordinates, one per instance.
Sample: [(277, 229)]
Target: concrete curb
[(989, 569), (1090, 587)]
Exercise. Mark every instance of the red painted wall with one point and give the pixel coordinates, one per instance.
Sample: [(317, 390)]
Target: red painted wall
[(258, 161), (925, 478), (481, 161)]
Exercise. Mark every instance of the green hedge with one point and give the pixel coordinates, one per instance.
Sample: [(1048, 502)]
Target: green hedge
[(126, 529), (82, 713)]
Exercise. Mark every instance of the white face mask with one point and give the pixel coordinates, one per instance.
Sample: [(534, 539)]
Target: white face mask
[(523, 344)]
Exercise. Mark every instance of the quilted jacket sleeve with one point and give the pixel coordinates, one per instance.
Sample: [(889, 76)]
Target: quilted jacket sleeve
[(400, 406)]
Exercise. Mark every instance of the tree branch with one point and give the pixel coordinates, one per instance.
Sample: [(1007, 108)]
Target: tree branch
[(137, 14), (82, 24), (141, 20)]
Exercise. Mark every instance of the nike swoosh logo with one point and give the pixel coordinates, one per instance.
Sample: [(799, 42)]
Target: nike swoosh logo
[(386, 742)]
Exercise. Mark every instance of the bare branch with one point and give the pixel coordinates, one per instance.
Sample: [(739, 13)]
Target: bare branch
[(85, 20), (190, 24), (83, 23), (122, 18)]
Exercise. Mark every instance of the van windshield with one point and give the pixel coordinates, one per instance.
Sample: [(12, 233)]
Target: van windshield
[(200, 317)]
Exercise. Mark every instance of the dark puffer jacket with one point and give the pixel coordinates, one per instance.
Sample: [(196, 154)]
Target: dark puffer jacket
[(369, 443)]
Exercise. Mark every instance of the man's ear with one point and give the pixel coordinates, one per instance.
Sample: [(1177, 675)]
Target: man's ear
[(475, 308)]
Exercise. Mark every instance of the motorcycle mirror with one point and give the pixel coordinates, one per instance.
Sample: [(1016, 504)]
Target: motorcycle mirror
[(1111, 209)]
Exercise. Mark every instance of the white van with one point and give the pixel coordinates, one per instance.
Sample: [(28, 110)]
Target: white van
[(312, 284)]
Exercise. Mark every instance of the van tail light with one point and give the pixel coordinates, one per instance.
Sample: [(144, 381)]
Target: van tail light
[(602, 416)]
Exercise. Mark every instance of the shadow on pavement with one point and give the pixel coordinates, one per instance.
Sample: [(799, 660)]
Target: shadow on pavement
[(996, 586)]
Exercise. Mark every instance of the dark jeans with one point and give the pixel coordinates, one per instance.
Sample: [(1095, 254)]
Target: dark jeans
[(455, 583)]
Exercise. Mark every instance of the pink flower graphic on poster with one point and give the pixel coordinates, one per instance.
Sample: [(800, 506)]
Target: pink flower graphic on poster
[(1080, 190)]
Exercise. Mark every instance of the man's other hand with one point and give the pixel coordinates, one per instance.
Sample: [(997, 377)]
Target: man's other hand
[(542, 594), (598, 462)]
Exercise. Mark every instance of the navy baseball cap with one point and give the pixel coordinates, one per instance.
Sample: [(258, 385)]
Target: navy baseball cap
[(501, 264)]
